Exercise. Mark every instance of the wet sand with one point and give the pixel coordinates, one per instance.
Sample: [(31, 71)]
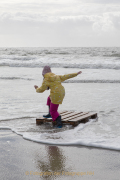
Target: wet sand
[(22, 159)]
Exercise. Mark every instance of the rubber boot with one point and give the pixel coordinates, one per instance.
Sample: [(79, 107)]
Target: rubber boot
[(58, 122), (48, 115)]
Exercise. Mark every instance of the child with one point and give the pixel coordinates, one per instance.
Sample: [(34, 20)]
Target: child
[(57, 92)]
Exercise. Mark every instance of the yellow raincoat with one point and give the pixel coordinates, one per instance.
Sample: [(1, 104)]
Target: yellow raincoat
[(57, 91)]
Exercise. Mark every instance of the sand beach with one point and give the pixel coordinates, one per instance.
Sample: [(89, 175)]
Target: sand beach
[(22, 159)]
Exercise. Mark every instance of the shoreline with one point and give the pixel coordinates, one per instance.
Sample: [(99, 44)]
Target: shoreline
[(19, 157), (58, 144)]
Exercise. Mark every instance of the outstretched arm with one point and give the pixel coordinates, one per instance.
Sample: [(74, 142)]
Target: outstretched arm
[(68, 76), (42, 88)]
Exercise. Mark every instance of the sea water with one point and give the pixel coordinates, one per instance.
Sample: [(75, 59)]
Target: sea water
[(97, 89)]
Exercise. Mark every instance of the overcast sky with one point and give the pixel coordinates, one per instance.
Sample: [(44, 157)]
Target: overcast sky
[(61, 23)]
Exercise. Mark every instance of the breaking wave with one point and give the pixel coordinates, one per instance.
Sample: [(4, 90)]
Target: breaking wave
[(84, 58), (61, 65), (15, 78)]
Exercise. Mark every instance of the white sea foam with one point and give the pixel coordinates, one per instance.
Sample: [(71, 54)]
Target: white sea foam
[(15, 78), (71, 137), (67, 81), (36, 64)]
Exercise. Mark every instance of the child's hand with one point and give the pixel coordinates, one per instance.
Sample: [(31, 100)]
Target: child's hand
[(35, 86), (79, 72)]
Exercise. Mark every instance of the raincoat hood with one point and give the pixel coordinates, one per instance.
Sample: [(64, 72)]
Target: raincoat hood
[(51, 77)]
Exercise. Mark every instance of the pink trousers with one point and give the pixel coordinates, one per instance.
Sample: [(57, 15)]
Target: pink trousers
[(53, 109)]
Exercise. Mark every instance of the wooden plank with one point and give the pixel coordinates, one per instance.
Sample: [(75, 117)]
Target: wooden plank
[(73, 117), (63, 112), (42, 120), (70, 114), (83, 117)]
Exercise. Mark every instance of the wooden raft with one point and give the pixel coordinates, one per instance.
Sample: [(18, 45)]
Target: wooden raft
[(70, 117)]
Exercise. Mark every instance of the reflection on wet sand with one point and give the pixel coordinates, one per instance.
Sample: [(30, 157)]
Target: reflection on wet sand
[(54, 165)]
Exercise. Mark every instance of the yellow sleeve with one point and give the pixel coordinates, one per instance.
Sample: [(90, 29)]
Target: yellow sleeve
[(43, 87), (67, 76)]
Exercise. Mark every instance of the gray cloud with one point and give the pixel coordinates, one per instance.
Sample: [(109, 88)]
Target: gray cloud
[(101, 1), (59, 23), (116, 20)]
